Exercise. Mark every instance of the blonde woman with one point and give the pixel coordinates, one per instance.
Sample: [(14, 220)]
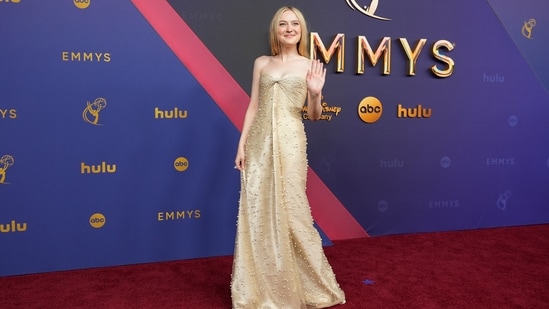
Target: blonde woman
[(279, 261)]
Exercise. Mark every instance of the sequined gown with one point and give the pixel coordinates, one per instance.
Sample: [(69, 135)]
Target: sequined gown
[(279, 261)]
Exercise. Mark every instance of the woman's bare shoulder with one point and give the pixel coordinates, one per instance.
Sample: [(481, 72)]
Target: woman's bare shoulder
[(306, 60), (263, 60), (303, 63)]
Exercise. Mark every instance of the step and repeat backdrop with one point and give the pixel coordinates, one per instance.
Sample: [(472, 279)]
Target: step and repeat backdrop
[(119, 122)]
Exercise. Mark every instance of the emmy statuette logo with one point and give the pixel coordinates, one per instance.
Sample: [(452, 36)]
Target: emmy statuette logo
[(368, 10), (5, 162), (502, 199), (92, 110), (528, 28)]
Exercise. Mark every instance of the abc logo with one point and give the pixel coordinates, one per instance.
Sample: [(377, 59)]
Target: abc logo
[(81, 4), (181, 164), (382, 206), (97, 220), (370, 109), (445, 162)]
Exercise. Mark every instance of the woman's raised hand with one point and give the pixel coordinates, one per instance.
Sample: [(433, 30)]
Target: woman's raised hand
[(315, 77)]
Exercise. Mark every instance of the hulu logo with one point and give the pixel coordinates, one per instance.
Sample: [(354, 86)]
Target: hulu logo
[(13, 227), (102, 168), (169, 114), (415, 112)]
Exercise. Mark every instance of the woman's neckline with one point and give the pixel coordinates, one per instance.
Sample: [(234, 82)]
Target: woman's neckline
[(283, 76)]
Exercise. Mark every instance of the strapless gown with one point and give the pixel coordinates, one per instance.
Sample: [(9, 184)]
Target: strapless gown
[(279, 261)]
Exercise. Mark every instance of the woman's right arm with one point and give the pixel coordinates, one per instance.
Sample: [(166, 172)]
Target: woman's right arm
[(251, 111)]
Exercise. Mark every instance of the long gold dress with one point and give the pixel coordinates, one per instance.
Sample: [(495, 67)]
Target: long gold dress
[(279, 261)]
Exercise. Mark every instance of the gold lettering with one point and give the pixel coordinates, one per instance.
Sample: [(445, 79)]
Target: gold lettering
[(330, 109), (337, 48), (178, 215), (75, 56), (85, 56), (445, 59), (325, 109), (11, 113), (337, 44), (13, 226), (384, 47), (412, 56), (326, 117)]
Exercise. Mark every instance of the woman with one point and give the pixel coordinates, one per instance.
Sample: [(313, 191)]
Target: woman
[(279, 261)]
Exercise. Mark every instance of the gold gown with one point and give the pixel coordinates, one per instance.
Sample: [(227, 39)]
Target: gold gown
[(279, 261)]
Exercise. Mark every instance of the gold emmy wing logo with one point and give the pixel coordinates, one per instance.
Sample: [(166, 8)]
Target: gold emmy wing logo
[(368, 10), (82, 4), (528, 28), (92, 110), (5, 162)]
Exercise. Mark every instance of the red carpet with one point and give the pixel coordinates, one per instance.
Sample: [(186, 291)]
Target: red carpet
[(489, 268)]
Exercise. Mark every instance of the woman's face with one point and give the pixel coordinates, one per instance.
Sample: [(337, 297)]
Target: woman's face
[(289, 29)]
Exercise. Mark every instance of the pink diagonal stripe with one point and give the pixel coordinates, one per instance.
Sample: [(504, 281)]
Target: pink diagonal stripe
[(329, 213)]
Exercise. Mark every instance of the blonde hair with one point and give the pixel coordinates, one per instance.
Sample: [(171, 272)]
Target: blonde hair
[(302, 45)]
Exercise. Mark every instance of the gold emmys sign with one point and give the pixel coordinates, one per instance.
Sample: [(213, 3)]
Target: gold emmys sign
[(383, 50)]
